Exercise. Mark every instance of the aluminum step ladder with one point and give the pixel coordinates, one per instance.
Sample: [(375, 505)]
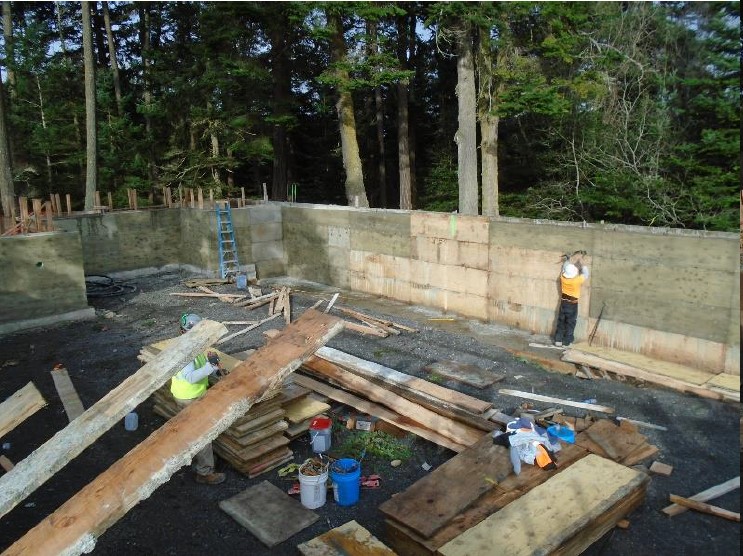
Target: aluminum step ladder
[(228, 264)]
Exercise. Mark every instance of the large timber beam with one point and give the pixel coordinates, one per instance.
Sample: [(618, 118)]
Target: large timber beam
[(50, 457), (75, 526)]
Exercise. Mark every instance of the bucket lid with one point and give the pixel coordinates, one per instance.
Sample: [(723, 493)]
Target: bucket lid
[(320, 423)]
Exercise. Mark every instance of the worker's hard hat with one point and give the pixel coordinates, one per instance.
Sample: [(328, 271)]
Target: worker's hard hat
[(570, 271), (188, 321)]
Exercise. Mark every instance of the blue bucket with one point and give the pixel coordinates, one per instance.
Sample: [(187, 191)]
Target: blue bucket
[(241, 281), (346, 476)]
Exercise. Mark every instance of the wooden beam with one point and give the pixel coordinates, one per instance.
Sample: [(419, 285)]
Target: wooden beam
[(19, 407), (332, 302), (378, 411), (704, 507), (366, 329), (549, 399), (454, 430), (704, 496), (36, 203), (248, 329), (67, 393), (73, 528), (68, 201), (64, 446), (5, 463), (49, 214), (371, 370)]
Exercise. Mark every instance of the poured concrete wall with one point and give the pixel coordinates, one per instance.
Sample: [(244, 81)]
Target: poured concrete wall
[(41, 280), (670, 294)]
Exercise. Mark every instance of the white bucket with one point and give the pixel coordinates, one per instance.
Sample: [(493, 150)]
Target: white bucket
[(313, 490)]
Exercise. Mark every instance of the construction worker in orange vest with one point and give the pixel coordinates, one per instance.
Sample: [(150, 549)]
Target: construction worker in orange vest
[(572, 276), (188, 385)]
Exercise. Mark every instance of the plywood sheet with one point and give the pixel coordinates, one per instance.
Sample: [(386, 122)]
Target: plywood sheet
[(655, 366), (269, 513), (350, 539), (435, 499), (304, 408), (461, 372), (67, 393), (617, 441), (726, 381), (547, 516)]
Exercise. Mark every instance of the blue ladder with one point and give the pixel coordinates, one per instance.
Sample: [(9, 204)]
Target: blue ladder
[(228, 264)]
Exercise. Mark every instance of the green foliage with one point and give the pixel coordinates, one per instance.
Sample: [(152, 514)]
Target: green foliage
[(376, 443), (440, 191)]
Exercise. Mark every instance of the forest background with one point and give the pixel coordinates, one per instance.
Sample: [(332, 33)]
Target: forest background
[(623, 112)]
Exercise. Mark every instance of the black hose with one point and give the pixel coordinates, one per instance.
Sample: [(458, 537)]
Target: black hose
[(100, 285)]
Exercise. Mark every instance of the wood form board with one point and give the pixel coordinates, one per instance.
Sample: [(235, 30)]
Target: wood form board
[(20, 406), (617, 441), (268, 513), (67, 393), (462, 372), (726, 381), (378, 410), (643, 362), (350, 539), (258, 435), (532, 525), (458, 432), (434, 500), (115, 491), (369, 368), (69, 442), (304, 408)]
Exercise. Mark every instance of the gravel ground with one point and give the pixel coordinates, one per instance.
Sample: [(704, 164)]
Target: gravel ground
[(182, 517)]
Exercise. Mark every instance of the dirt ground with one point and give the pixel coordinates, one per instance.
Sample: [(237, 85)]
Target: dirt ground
[(183, 518)]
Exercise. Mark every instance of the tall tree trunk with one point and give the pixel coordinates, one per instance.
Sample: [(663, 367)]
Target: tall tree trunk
[(62, 42), (7, 199), (403, 138), (99, 35), (43, 126), (412, 63), (280, 73), (112, 56), (8, 36), (91, 137), (146, 22), (379, 119), (355, 191), (488, 101), (466, 136)]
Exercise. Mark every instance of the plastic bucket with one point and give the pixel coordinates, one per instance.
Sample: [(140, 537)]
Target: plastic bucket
[(320, 434), (346, 475), (241, 281), (313, 490)]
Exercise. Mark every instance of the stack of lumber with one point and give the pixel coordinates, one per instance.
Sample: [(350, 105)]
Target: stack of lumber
[(441, 415), (482, 494), (255, 443), (621, 443), (301, 411), (720, 386)]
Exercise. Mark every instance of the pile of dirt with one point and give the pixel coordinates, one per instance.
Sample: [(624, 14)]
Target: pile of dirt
[(183, 517)]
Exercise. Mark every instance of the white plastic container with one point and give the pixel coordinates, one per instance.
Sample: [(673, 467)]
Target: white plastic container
[(313, 490), (320, 436), (131, 421)]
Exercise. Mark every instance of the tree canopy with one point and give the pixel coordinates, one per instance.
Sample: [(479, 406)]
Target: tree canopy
[(623, 112)]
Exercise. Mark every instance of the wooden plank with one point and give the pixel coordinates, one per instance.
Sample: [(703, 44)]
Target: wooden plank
[(617, 441), (464, 478), (64, 446), (304, 408), (19, 407), (268, 513), (115, 491), (247, 329), (257, 435), (331, 302), (461, 372), (704, 496), (5, 463), (724, 380), (350, 539), (576, 356), (370, 369), (549, 399), (660, 468), (67, 393), (640, 361), (585, 490), (371, 331), (454, 430), (704, 507), (36, 204), (49, 216), (378, 411)]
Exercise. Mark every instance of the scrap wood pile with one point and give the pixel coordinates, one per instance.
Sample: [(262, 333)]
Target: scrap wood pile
[(256, 442), (622, 365)]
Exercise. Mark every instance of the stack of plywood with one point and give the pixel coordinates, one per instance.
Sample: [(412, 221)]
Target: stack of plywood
[(482, 493)]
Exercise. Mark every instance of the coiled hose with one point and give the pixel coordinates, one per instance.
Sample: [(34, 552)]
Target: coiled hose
[(100, 285)]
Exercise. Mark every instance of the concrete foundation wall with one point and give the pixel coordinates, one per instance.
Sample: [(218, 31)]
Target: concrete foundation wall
[(670, 294), (41, 280)]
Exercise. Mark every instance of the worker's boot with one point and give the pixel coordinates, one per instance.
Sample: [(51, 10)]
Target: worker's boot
[(211, 478)]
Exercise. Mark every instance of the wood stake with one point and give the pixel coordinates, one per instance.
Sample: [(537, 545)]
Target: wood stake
[(37, 214), (23, 205), (49, 216), (201, 198), (68, 199), (705, 495), (97, 198), (242, 195), (110, 202), (704, 508)]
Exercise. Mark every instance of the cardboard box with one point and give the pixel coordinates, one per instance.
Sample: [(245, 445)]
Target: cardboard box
[(365, 423)]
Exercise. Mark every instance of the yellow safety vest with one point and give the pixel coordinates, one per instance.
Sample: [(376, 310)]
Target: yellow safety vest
[(184, 390)]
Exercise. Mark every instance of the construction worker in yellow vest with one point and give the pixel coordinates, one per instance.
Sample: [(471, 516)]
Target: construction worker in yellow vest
[(571, 279), (188, 385)]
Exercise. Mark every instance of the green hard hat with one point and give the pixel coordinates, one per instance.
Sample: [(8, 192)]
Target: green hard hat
[(188, 321)]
